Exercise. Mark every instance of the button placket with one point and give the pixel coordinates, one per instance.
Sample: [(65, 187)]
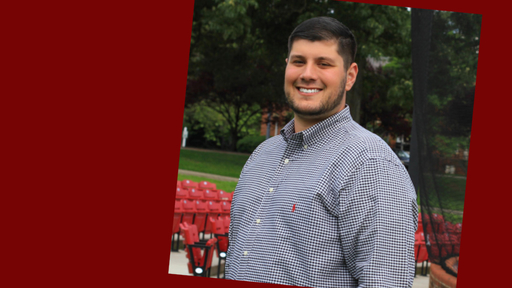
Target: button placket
[(259, 216)]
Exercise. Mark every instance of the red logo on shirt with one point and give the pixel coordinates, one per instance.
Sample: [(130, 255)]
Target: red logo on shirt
[(293, 208)]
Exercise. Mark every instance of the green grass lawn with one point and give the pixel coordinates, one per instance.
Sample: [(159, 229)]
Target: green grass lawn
[(221, 185), (212, 162), (451, 195), (452, 192)]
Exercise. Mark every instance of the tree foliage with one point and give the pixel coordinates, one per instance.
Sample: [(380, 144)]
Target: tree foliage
[(452, 78), (230, 70), (238, 48)]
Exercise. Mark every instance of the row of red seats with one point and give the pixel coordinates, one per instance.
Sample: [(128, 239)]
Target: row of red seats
[(443, 235), (206, 194), (198, 185), (437, 225), (195, 201), (197, 211), (200, 207)]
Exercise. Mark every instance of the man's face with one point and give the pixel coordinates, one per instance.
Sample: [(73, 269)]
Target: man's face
[(315, 80)]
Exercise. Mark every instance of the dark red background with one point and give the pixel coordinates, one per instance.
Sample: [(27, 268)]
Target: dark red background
[(92, 128)]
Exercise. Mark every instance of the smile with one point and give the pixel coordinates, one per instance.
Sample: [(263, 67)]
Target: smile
[(304, 90)]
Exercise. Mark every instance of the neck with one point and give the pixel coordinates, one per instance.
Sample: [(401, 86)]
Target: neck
[(302, 123)]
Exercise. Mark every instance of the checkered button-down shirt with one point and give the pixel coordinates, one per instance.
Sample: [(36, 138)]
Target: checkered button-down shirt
[(331, 206)]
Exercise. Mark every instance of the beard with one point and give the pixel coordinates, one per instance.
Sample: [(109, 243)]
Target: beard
[(326, 105)]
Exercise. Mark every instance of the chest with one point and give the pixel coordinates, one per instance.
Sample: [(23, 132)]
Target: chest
[(291, 186)]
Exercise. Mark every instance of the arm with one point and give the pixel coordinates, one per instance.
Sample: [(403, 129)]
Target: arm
[(377, 224)]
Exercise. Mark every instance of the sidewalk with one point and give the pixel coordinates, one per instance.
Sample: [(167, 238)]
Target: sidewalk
[(207, 175), (178, 265), (216, 151)]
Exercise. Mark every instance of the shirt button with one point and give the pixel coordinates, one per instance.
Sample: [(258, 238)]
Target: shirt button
[(305, 147), (245, 253), (271, 190), (286, 161), (258, 221)]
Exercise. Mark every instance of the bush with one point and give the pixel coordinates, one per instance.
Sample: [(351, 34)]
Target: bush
[(249, 143)]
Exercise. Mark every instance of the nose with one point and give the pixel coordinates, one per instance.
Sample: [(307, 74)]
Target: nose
[(309, 73)]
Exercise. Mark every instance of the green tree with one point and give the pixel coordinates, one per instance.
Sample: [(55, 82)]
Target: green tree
[(389, 100), (238, 50), (452, 78), (228, 68)]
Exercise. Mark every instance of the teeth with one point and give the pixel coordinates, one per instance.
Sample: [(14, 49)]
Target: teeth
[(303, 90)]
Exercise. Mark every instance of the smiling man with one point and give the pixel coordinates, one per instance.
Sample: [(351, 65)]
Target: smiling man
[(326, 203)]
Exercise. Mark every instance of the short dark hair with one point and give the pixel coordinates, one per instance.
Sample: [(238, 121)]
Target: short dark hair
[(327, 28)]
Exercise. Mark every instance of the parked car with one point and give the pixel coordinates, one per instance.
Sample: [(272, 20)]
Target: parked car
[(404, 157)]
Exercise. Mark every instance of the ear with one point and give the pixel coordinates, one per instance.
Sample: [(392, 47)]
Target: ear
[(351, 76), (286, 60)]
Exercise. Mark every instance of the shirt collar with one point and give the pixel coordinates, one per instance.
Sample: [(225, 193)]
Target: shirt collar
[(317, 131)]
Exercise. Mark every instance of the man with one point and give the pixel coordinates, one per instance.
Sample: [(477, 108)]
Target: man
[(326, 203)]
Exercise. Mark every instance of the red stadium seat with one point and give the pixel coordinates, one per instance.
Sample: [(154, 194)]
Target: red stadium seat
[(420, 252), (438, 223), (227, 220), (179, 184), (207, 185), (420, 224), (182, 193), (194, 193), (214, 208), (201, 214), (214, 211), (222, 240), (189, 184), (189, 210), (210, 194), (178, 212), (425, 221), (200, 254), (223, 195), (225, 207)]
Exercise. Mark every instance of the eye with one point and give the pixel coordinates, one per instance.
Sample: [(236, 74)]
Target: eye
[(298, 62), (325, 64)]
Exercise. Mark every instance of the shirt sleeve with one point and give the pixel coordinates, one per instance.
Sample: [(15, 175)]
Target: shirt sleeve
[(378, 219)]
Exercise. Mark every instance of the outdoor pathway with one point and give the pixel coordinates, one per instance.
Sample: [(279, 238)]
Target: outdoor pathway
[(178, 265), (207, 175), (216, 151)]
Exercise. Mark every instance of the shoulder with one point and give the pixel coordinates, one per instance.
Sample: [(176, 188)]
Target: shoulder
[(366, 145), (355, 147), (269, 144), (265, 149), (373, 163)]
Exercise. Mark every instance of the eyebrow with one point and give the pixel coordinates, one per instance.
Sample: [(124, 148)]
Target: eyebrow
[(321, 58)]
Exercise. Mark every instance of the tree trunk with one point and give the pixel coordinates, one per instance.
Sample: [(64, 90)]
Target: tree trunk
[(234, 140)]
